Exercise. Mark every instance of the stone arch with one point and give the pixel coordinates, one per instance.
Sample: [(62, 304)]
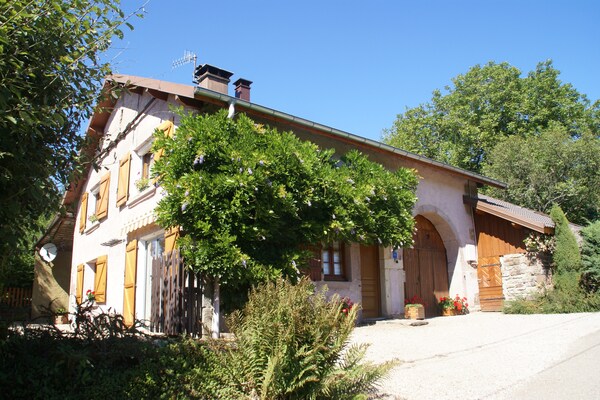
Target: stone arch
[(443, 224)]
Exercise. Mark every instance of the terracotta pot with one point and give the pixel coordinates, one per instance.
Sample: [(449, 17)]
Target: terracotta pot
[(61, 319), (448, 312), (414, 312)]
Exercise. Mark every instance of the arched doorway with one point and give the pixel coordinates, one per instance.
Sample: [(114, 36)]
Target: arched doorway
[(426, 266)]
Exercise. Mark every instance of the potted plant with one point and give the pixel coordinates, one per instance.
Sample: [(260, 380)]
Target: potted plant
[(91, 295), (93, 218), (460, 305), (414, 308), (453, 306), (446, 304), (61, 316), (142, 184)]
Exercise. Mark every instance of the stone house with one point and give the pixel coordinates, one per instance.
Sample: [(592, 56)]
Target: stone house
[(115, 236)]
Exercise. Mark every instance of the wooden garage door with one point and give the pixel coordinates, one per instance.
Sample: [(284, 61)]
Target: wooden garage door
[(426, 266), (370, 289)]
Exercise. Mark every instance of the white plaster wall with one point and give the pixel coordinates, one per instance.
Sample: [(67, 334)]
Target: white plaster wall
[(87, 246)]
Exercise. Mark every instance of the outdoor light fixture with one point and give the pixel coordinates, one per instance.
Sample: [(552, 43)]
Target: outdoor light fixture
[(395, 254)]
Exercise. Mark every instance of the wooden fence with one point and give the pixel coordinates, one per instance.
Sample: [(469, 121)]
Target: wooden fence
[(15, 303), (16, 297), (176, 297)]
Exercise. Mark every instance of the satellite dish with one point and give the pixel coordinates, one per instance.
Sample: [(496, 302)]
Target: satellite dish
[(48, 252)]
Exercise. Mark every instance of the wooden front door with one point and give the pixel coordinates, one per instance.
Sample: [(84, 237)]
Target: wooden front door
[(489, 275), (426, 267), (371, 291)]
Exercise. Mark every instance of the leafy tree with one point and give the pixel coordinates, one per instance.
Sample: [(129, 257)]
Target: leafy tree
[(590, 257), (50, 73), (484, 106), (566, 253), (248, 197), (550, 168)]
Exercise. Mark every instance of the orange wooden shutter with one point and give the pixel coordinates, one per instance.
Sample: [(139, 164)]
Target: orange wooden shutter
[(123, 185), (83, 212), (102, 206), (171, 237), (79, 287), (129, 284), (100, 279), (168, 129)]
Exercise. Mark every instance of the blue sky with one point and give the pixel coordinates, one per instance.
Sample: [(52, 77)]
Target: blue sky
[(356, 65)]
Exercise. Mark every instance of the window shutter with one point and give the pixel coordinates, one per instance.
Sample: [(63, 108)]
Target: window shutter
[(123, 185), (79, 287), (100, 279), (171, 237), (102, 206), (168, 129), (83, 212), (129, 283)]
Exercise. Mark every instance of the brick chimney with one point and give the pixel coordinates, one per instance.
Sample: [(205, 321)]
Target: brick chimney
[(212, 78), (242, 89)]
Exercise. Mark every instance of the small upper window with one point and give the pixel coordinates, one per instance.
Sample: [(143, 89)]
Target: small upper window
[(147, 164)]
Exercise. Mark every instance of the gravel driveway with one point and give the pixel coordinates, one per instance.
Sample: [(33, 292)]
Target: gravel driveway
[(476, 356)]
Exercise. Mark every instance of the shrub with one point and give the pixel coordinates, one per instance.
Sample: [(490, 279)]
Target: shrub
[(291, 343), (100, 359), (566, 297), (566, 254), (590, 257)]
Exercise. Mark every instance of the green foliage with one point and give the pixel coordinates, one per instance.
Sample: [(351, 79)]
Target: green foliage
[(101, 358), (567, 296), (247, 197), (550, 168), (590, 257), (484, 106), (291, 343), (566, 255), (51, 72), (571, 292)]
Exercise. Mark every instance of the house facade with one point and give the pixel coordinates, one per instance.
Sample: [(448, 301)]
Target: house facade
[(116, 237)]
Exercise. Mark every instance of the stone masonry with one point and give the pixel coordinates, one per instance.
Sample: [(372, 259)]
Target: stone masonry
[(523, 276)]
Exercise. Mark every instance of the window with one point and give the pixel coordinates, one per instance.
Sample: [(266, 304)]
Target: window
[(332, 261), (99, 195), (147, 164)]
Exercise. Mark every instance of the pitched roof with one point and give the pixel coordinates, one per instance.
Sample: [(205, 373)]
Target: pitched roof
[(190, 95), (526, 217)]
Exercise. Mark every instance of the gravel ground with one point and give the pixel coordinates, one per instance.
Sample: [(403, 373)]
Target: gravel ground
[(475, 356)]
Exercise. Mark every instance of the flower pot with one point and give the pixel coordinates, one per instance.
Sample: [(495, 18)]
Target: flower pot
[(448, 312), (414, 311), (61, 319)]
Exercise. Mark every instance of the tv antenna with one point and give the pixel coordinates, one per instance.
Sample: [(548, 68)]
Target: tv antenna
[(188, 57)]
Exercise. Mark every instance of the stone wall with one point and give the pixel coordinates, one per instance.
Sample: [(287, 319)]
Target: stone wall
[(523, 276)]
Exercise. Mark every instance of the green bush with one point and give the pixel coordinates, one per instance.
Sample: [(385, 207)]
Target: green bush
[(566, 297), (590, 257), (99, 359), (566, 254), (291, 343)]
